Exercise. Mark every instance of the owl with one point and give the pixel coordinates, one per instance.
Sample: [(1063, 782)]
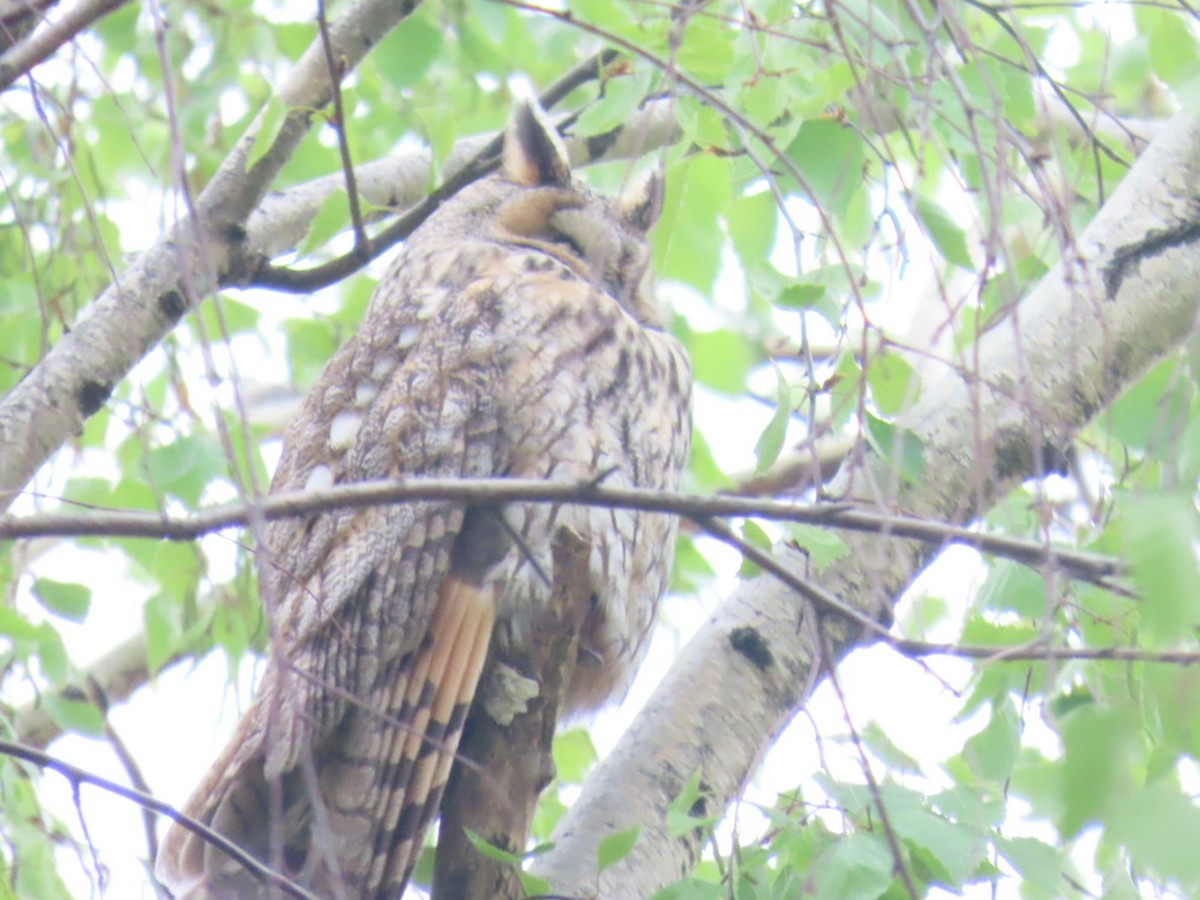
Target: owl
[(515, 335)]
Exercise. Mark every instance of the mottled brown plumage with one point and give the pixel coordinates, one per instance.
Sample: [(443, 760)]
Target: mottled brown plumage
[(515, 335)]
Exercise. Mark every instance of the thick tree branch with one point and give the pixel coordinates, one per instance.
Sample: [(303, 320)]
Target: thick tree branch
[(510, 747), (1073, 344)]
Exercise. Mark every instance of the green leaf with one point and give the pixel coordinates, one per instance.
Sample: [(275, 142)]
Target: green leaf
[(406, 53), (574, 755), (235, 317), (992, 752), (184, 467), (752, 221), (310, 345), (331, 219), (160, 618), (532, 885), (52, 654), (274, 114), (692, 889), (946, 235), (800, 296), (701, 124), (885, 748), (692, 568), (1159, 824), (1159, 534), (79, 716), (831, 157), (621, 98), (687, 240), (822, 545), (490, 851), (16, 626), (680, 813), (954, 849), (1172, 48), (900, 448), (1156, 407), (615, 847), (753, 534), (1012, 586), (1037, 862), (706, 49), (859, 866), (770, 442), (1100, 747), (720, 360), (64, 598), (893, 382)]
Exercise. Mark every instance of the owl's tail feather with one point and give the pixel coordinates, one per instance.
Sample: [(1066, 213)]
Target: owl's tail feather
[(436, 699), (381, 778)]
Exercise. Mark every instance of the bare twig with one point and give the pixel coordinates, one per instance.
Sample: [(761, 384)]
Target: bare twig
[(362, 243), (134, 771), (77, 776), (885, 819)]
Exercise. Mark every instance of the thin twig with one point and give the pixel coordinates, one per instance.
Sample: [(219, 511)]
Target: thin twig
[(76, 776), (134, 771), (812, 592), (362, 243), (885, 820), (1038, 651)]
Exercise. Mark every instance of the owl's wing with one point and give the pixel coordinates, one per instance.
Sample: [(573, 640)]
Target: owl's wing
[(379, 626)]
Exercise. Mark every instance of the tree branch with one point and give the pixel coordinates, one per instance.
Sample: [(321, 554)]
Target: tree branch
[(121, 523), (510, 751)]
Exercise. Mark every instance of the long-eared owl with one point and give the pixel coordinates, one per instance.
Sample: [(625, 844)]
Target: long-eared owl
[(515, 335)]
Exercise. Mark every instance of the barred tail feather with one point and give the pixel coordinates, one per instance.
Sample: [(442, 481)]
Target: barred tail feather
[(382, 779), (435, 708)]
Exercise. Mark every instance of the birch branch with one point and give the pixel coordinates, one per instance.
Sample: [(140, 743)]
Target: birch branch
[(1094, 323)]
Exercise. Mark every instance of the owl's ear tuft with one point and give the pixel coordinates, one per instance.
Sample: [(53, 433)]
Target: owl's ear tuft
[(534, 154), (641, 206)]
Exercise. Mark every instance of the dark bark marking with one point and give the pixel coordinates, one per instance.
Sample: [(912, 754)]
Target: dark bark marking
[(172, 305), (92, 396), (750, 644), (1155, 242)]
